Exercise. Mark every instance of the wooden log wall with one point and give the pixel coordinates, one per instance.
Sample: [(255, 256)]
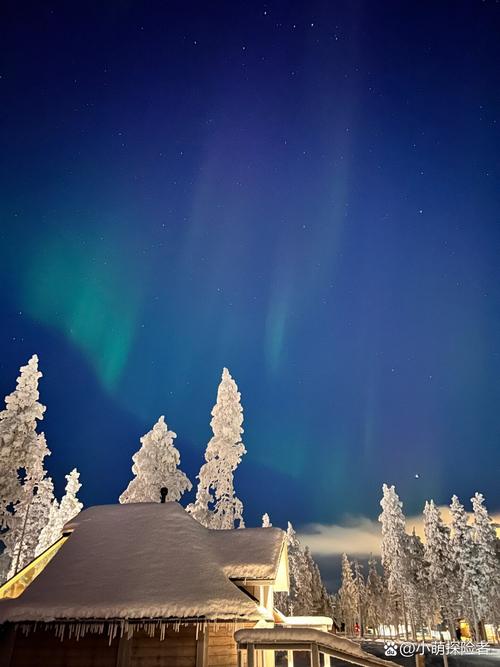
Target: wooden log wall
[(178, 649), (43, 649), (215, 648)]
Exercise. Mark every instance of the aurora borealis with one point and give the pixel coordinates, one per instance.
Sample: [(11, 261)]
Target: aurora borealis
[(307, 193)]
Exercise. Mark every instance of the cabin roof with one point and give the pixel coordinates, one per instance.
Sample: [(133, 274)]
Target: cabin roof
[(149, 561)]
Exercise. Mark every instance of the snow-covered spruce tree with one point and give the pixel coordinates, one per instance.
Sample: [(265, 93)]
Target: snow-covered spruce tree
[(51, 531), (283, 600), (307, 595), (441, 567), (464, 557), (24, 551), (376, 612), (22, 452), (487, 564), (266, 521), (155, 468), (336, 610), (216, 504), (60, 513), (320, 598), (347, 597), (300, 595), (360, 595), (394, 548), (298, 600), (421, 602)]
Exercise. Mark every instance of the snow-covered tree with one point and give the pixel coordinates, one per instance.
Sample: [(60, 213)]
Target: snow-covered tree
[(360, 595), (51, 532), (22, 453), (35, 519), (216, 504), (376, 605), (21, 447), (321, 604), (419, 595), (394, 547), (464, 557), (296, 570), (155, 468), (266, 521), (61, 513), (487, 564), (307, 594), (348, 596), (441, 568), (299, 594)]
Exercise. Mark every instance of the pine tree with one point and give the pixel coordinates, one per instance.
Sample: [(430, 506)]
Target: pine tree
[(266, 521), (487, 564), (336, 610), (394, 547), (289, 603), (376, 612), (419, 594), (283, 600), (296, 571), (320, 604), (303, 601), (24, 550), (38, 517), (70, 505), (441, 569), (464, 557), (347, 596), (51, 532), (22, 453), (61, 513), (216, 504), (155, 468), (360, 596), (322, 600)]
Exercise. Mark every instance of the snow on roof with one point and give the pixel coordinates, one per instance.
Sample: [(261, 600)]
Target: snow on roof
[(149, 560), (250, 553), (350, 650)]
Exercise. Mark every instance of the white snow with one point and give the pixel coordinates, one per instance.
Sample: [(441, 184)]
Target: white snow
[(216, 504), (148, 561), (60, 513)]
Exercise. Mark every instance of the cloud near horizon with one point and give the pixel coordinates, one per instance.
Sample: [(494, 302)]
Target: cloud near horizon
[(360, 536)]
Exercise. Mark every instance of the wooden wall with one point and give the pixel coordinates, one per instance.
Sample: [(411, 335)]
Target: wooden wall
[(44, 649), (221, 645), (216, 648), (178, 649)]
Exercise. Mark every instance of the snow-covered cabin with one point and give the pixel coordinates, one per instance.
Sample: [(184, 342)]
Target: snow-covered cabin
[(131, 576), (145, 584)]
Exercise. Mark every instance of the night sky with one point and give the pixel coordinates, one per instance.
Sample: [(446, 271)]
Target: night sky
[(305, 192)]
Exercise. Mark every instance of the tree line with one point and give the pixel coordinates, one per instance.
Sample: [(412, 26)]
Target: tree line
[(424, 585)]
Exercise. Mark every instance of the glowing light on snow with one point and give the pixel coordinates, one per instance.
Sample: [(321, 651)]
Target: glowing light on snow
[(17, 584)]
